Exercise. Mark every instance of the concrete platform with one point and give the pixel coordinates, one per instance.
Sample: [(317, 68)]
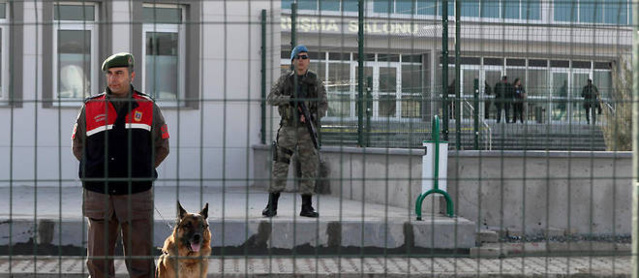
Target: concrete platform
[(236, 222)]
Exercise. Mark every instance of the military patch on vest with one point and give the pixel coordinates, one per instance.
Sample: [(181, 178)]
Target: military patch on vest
[(165, 132), (138, 116)]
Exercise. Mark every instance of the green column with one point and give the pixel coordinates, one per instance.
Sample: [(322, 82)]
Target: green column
[(445, 68), (476, 114), (263, 81), (360, 77), (458, 102), (635, 141)]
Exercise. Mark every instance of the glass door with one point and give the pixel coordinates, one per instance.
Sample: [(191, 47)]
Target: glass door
[(368, 75), (559, 108), (579, 79), (387, 91), (492, 76), (468, 76), (384, 88)]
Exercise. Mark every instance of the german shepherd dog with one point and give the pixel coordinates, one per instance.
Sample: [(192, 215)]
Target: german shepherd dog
[(186, 251)]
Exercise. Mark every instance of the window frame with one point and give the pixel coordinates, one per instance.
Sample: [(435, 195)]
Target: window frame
[(5, 81), (180, 29), (74, 25), (191, 12)]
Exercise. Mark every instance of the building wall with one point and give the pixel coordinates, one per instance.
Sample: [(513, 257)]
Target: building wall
[(210, 144)]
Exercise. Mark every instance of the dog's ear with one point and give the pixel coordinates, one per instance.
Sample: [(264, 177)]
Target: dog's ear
[(181, 211), (205, 211)]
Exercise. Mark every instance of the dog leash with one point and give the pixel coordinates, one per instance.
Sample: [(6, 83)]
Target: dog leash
[(161, 216)]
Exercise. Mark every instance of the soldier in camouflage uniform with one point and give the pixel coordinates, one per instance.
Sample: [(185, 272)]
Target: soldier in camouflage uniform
[(293, 133)]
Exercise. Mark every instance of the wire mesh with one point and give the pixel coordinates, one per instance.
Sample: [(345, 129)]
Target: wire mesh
[(538, 175)]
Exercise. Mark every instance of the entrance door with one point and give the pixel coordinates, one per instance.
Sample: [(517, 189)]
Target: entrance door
[(492, 76), (368, 74), (384, 88), (579, 79), (467, 91), (559, 104)]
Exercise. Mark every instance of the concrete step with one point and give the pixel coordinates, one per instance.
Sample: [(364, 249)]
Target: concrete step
[(236, 223)]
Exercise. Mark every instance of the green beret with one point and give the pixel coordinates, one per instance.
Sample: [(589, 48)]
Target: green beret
[(117, 60)]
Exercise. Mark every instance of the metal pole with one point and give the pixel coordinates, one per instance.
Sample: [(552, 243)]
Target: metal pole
[(369, 108), (476, 114), (445, 68), (458, 107), (635, 141), (263, 83), (360, 77), (293, 24)]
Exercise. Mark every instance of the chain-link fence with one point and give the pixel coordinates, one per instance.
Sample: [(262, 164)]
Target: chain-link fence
[(454, 139)]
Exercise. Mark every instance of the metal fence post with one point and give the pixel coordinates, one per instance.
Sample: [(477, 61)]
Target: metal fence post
[(635, 141), (476, 114), (360, 77)]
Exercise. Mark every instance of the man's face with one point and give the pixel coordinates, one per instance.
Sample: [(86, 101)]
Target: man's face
[(119, 80), (301, 62)]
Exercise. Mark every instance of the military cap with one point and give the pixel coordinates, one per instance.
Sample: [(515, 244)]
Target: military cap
[(122, 59), (297, 50)]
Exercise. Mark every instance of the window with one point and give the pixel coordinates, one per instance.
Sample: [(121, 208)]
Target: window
[(323, 5), (350, 5), (426, 7), (75, 50), (164, 63), (307, 4), (329, 5), (412, 73), (286, 4), (490, 8), (592, 11), (4, 52), (383, 6), (511, 9), (404, 7), (338, 88), (616, 12), (531, 9)]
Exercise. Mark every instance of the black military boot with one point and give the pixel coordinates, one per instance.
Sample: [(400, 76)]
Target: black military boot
[(271, 207), (307, 207)]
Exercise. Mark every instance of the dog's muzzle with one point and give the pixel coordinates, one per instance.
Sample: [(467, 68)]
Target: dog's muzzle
[(195, 242)]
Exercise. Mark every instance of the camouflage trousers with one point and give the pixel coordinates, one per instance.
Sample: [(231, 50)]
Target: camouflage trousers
[(288, 139)]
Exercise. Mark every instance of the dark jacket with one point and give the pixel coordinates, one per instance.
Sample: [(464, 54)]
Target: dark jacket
[(504, 91), (519, 93)]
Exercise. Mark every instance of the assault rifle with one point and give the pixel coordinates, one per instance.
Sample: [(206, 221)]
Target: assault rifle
[(308, 120)]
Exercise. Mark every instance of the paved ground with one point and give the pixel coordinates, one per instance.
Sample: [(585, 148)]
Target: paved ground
[(355, 267)]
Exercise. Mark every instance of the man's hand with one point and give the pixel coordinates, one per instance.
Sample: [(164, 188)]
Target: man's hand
[(302, 118)]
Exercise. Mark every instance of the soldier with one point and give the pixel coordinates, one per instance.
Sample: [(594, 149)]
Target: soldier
[(293, 134), (590, 93), (503, 98), (120, 138)]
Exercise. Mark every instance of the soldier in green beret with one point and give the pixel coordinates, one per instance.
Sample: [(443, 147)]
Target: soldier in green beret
[(120, 138)]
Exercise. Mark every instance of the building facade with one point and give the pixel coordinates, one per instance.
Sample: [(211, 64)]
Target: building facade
[(553, 47), (201, 60), (204, 73)]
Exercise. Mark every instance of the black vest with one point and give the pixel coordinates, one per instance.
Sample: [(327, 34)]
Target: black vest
[(118, 155)]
